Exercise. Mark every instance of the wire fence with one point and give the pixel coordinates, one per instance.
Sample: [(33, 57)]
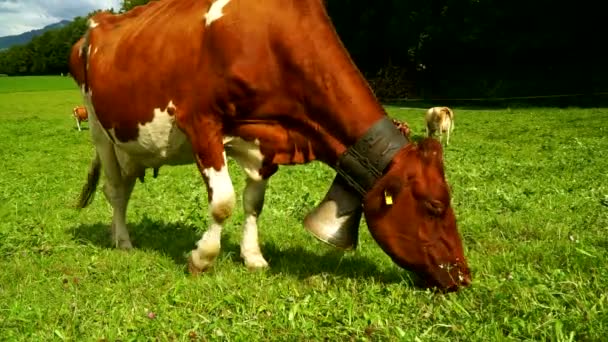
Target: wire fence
[(488, 99)]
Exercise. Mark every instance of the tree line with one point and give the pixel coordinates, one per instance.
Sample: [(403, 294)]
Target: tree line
[(427, 48)]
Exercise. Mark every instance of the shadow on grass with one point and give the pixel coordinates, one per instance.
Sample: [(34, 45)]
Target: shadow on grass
[(176, 241), (169, 239), (302, 263)]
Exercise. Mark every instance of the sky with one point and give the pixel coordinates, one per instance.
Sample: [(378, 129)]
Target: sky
[(18, 16)]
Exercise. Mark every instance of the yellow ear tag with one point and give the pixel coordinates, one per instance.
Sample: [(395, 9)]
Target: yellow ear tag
[(388, 199)]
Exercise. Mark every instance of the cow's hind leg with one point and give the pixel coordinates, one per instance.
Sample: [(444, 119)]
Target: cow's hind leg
[(221, 204), (253, 202), (118, 194), (117, 189)]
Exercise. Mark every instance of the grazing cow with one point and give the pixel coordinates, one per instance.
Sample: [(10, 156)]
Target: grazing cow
[(441, 120), (266, 83), (80, 114)]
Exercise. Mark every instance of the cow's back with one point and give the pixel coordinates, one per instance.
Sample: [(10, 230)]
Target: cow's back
[(135, 61)]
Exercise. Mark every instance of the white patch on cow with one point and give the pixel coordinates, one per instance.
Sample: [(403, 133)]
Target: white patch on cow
[(95, 51), (215, 11), (247, 154), (92, 23), (159, 142), (89, 55), (222, 190)]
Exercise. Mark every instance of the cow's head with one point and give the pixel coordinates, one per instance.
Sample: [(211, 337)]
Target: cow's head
[(408, 213)]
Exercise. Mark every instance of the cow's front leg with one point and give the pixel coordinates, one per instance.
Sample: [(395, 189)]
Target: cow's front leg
[(448, 134), (214, 169), (253, 202), (77, 123)]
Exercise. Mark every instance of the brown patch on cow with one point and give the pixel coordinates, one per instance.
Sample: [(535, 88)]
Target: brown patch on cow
[(220, 212), (206, 180)]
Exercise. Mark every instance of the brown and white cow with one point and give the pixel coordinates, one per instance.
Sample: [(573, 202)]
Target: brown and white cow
[(80, 115), (267, 83)]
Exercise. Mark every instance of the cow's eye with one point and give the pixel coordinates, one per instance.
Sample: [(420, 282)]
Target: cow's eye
[(434, 207)]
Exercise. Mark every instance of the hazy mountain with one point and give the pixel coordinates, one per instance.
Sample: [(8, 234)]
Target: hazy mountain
[(24, 38)]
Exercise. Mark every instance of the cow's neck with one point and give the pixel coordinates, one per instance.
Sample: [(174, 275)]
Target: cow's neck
[(322, 124), (318, 95), (338, 98), (342, 104)]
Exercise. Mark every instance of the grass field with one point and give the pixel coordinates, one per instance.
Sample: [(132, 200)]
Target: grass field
[(530, 189)]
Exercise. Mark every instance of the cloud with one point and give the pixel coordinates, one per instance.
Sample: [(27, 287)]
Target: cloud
[(18, 16)]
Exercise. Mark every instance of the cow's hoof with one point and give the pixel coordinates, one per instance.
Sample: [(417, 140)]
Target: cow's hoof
[(256, 263), (196, 268)]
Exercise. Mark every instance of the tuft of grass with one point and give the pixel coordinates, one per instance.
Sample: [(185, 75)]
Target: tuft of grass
[(529, 187)]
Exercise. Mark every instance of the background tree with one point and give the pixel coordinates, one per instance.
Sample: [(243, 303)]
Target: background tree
[(129, 4), (429, 48)]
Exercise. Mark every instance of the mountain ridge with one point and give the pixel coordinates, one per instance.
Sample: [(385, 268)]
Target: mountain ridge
[(25, 37)]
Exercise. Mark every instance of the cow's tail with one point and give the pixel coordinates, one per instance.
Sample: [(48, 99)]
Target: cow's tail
[(450, 112), (88, 190)]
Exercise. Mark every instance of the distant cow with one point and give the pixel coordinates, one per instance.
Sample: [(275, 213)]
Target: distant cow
[(266, 83), (80, 114), (441, 120)]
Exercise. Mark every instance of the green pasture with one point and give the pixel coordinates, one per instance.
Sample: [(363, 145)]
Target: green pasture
[(529, 186)]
